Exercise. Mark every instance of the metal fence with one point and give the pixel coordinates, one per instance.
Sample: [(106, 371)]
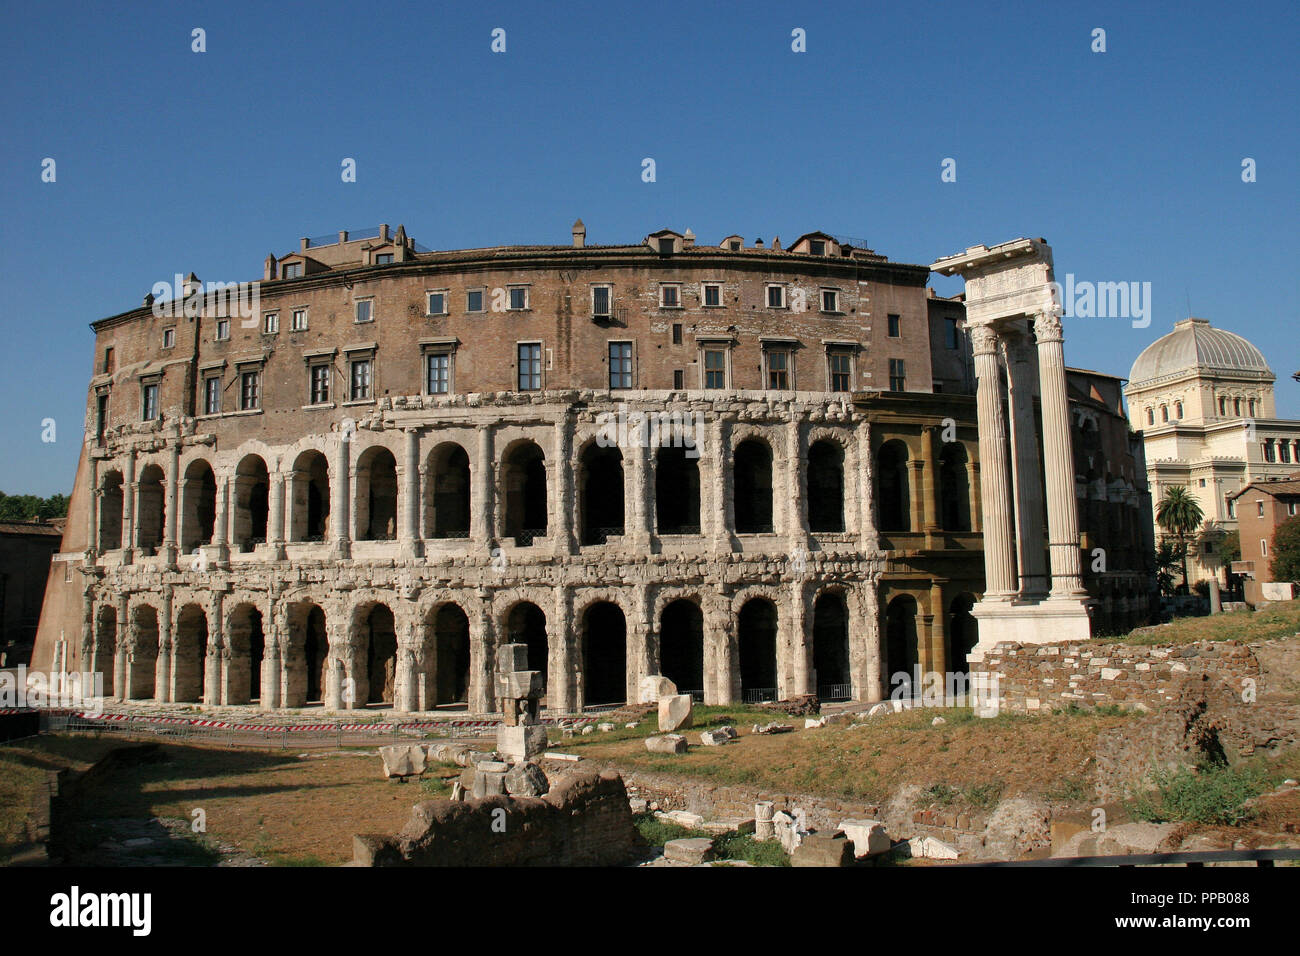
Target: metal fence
[(757, 695)]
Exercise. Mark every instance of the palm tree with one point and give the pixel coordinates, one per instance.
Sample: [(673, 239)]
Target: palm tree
[(1179, 515)]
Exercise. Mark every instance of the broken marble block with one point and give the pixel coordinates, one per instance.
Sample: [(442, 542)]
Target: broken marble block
[(654, 686), (402, 760), (689, 850), (489, 779), (869, 837), (522, 741), (714, 738), (666, 744), (526, 780), (675, 712)]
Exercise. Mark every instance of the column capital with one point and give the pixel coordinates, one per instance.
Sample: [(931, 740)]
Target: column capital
[(983, 339), (1047, 325)]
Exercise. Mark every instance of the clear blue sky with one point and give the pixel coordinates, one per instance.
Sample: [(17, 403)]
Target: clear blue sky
[(1128, 162)]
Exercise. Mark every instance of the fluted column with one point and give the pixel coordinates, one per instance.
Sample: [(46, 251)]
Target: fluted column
[(995, 484), (869, 677), (171, 514), (1062, 508), (1026, 475), (271, 674), (410, 531)]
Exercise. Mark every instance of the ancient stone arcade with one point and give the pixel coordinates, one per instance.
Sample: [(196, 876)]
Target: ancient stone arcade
[(343, 506)]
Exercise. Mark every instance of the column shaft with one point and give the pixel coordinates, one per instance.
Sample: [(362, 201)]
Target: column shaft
[(1026, 473), (1062, 508), (999, 570)]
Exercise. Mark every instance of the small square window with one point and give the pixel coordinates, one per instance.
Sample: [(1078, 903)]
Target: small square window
[(518, 298), (293, 270), (437, 303), (830, 300), (360, 380), (776, 297), (271, 323), (712, 294), (299, 320), (817, 247), (474, 300), (319, 379), (223, 330), (895, 326), (365, 310), (250, 390), (169, 338), (600, 300), (670, 296)]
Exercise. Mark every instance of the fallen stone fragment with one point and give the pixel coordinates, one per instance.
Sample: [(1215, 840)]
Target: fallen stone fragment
[(929, 848), (689, 850), (666, 744), (675, 712), (683, 818), (823, 849), (526, 780), (869, 837), (402, 760), (714, 738)]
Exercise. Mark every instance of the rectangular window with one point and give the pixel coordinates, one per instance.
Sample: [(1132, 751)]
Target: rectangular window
[(950, 337), (360, 387), (438, 373), (897, 376), (169, 338), (223, 329), (108, 361), (271, 323), (600, 300), (712, 295), (299, 320), (778, 369), (670, 296), (1263, 547), (817, 247), (437, 303), (518, 298), (1259, 506), (620, 364), (365, 310), (1232, 507), (677, 333), (1269, 454), (530, 366), (1284, 452), (212, 395), (776, 297), (383, 259), (679, 378), (830, 300), (292, 270), (474, 300), (320, 384), (250, 390), (1292, 508), (149, 409), (101, 416), (895, 326), (715, 368), (841, 366)]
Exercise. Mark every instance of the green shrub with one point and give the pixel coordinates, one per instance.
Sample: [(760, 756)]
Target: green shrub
[(1212, 795)]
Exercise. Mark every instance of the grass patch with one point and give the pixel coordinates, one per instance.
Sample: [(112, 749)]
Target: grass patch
[(1278, 620), (1210, 795), (729, 846), (1070, 790)]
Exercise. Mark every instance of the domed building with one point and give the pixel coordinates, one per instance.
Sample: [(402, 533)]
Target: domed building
[(1203, 399)]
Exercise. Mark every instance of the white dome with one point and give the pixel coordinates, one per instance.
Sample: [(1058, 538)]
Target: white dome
[(1196, 346)]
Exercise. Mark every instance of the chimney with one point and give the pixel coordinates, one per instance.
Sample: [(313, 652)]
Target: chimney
[(304, 244), (579, 234), (268, 268), (191, 285), (343, 235), (402, 244), (688, 240), (776, 244), (383, 232)]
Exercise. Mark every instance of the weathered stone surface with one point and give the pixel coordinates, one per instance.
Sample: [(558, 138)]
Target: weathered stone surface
[(715, 738), (869, 837), (402, 760), (802, 705), (655, 686), (526, 780), (675, 712), (823, 849), (763, 827), (930, 848), (488, 783), (788, 830), (689, 850), (521, 742), (605, 728), (772, 728), (666, 744), (682, 818)]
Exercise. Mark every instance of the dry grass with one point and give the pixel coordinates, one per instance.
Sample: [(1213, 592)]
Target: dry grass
[(1278, 620)]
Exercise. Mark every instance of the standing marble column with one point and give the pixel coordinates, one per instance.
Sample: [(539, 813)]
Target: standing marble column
[(221, 521), (410, 530), (171, 516), (341, 497), (95, 499), (275, 531), (1026, 473), (483, 501), (130, 489), (560, 492), (866, 491), (1062, 508), (995, 484)]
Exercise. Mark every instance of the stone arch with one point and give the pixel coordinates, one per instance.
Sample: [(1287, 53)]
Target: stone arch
[(446, 654), (198, 505), (376, 494), (604, 653), (830, 635), (105, 647), (893, 487), (190, 653), (150, 509), (110, 511), (902, 646), (751, 465), (447, 496), (246, 638), (305, 653), (681, 643), (373, 667), (677, 491), (524, 491), (826, 486), (309, 496), (142, 651), (600, 493), (954, 488), (250, 500)]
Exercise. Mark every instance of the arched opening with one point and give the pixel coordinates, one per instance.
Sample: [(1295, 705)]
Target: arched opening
[(825, 486), (681, 646), (376, 511), (901, 648), (526, 624), (963, 633), (251, 493), (105, 647), (190, 654), (198, 506), (524, 480), (954, 488), (447, 500), (307, 654), (377, 649), (752, 471), (149, 512), (450, 664), (110, 512), (756, 632), (309, 501), (895, 497), (600, 491), (247, 649), (677, 492), (143, 651), (831, 647), (604, 654)]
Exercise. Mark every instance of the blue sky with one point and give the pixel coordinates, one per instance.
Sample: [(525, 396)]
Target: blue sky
[(1128, 162)]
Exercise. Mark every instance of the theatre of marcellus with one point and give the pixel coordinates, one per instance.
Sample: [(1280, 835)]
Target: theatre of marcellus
[(760, 471)]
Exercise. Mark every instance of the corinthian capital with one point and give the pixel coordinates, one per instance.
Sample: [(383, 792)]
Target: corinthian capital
[(1047, 326), (984, 340)]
